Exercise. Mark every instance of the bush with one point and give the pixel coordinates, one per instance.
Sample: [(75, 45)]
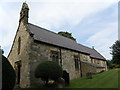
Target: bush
[(48, 70), (8, 75)]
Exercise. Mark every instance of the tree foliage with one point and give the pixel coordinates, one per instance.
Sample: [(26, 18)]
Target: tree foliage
[(8, 75), (67, 34), (109, 64), (48, 70), (116, 53)]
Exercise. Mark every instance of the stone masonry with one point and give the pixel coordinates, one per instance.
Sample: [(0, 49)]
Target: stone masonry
[(26, 54)]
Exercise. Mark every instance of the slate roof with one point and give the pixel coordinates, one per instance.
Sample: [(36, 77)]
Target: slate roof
[(46, 36), (94, 65), (93, 53)]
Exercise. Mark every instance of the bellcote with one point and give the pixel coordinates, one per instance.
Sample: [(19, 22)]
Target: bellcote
[(24, 13)]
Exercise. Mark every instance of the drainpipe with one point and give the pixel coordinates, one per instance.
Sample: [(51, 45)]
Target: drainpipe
[(60, 57), (80, 66)]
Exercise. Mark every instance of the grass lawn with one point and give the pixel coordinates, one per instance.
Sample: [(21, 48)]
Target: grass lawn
[(107, 79)]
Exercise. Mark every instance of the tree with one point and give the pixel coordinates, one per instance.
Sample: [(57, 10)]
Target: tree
[(109, 64), (116, 53), (67, 34), (48, 70), (8, 75)]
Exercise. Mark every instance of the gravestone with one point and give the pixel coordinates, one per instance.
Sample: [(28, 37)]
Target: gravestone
[(66, 78), (89, 75)]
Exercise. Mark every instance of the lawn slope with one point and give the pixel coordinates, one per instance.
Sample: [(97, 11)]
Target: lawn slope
[(107, 79)]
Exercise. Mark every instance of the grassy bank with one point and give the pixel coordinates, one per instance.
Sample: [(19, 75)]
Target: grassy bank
[(108, 79)]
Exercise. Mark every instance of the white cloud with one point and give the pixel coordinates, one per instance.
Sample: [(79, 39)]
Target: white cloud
[(8, 26), (104, 39), (56, 14), (48, 14)]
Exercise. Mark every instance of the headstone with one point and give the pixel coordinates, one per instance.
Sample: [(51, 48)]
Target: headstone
[(66, 78), (60, 83), (89, 75)]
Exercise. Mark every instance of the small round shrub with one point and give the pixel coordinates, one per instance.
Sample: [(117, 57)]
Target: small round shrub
[(8, 75), (48, 70)]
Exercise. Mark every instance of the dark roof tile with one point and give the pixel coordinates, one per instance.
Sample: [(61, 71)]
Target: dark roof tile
[(46, 36)]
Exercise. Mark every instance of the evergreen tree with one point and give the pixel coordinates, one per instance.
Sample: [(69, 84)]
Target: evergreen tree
[(116, 52), (8, 75)]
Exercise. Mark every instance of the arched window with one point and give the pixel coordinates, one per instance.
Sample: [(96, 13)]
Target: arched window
[(55, 56), (57, 59), (18, 71), (19, 45), (76, 58)]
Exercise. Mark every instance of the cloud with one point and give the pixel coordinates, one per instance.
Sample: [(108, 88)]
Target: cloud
[(8, 26), (46, 13), (56, 14), (104, 39)]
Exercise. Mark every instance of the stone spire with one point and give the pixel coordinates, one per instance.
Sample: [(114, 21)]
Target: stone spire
[(24, 13)]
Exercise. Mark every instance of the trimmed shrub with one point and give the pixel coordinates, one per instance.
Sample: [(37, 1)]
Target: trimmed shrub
[(8, 75), (48, 70)]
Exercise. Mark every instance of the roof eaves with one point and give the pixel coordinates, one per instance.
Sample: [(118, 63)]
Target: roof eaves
[(98, 58)]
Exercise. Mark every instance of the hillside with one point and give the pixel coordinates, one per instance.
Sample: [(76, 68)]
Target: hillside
[(107, 79)]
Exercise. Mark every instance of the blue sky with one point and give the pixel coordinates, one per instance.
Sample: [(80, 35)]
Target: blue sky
[(92, 22)]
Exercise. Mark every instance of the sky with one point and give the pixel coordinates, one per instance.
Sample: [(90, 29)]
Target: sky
[(91, 22)]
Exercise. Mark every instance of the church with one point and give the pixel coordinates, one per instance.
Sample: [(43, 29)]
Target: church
[(33, 44)]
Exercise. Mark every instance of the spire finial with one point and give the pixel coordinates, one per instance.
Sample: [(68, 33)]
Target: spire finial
[(25, 5), (24, 13)]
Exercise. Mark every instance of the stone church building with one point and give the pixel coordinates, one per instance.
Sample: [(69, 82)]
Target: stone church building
[(33, 44)]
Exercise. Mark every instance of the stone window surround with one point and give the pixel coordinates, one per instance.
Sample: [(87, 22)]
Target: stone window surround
[(76, 59), (55, 56)]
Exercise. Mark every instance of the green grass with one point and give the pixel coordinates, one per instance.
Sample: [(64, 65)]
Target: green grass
[(107, 79)]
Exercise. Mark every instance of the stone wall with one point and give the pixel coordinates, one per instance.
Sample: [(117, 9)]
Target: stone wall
[(68, 63), (85, 58), (23, 56), (100, 62), (87, 68), (100, 69), (38, 53), (42, 52)]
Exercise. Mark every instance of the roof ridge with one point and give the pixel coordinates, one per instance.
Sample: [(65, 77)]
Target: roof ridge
[(52, 32)]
